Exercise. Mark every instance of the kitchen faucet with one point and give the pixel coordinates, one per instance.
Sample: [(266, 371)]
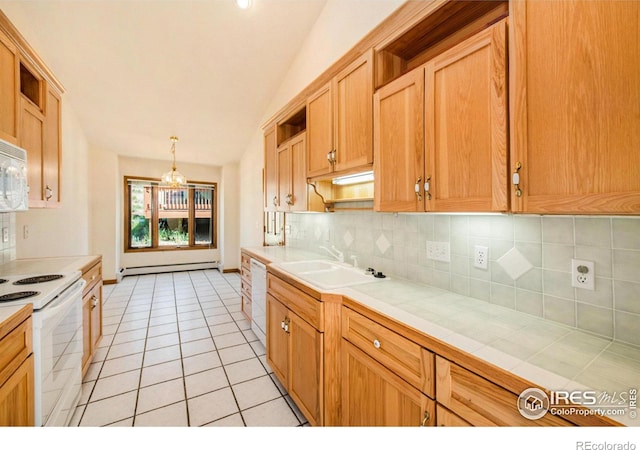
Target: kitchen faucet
[(337, 254)]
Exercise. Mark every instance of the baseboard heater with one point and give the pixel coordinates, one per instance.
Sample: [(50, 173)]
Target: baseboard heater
[(145, 270)]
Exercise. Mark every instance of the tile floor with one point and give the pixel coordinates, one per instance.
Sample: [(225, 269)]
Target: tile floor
[(177, 351)]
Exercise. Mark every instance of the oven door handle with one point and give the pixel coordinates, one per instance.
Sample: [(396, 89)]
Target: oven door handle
[(62, 301)]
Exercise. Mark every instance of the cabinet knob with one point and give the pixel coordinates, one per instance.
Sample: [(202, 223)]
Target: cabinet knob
[(425, 419), (376, 343)]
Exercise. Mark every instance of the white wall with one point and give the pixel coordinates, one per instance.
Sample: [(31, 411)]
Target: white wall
[(229, 217), (340, 26), (61, 231)]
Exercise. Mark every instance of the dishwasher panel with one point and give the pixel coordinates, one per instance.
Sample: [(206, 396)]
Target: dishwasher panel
[(259, 300)]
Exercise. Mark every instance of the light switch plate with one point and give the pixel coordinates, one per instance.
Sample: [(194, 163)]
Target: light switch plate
[(438, 251)]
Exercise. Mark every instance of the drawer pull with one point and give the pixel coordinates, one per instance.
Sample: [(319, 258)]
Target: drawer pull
[(376, 343), (425, 419), (94, 301)]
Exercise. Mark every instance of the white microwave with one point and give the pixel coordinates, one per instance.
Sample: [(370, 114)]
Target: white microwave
[(14, 187)]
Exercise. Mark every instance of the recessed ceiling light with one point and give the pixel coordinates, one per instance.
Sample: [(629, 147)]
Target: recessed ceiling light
[(244, 4)]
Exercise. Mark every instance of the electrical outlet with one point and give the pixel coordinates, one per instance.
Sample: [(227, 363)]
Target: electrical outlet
[(481, 257), (5, 234), (583, 274), (438, 251)]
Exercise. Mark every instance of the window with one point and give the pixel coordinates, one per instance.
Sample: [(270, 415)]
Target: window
[(164, 218)]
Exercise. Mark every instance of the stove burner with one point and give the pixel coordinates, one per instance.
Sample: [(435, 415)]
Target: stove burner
[(2, 280), (38, 279), (17, 296)]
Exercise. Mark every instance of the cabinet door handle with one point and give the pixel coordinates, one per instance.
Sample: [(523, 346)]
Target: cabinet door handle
[(425, 419), (417, 189), (333, 156), (94, 301), (427, 187), (289, 199), (376, 343), (275, 200), (329, 157), (48, 192), (516, 179)]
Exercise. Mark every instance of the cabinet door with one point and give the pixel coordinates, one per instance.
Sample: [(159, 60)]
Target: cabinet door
[(16, 397), (51, 150), (576, 91), (319, 132), (466, 125), (298, 174), (374, 396), (9, 88), (398, 117), (270, 171), (305, 368), (278, 340), (32, 140), (283, 164), (353, 114)]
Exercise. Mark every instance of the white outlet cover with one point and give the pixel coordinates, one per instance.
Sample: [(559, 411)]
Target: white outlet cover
[(514, 263), (584, 280), (481, 257)]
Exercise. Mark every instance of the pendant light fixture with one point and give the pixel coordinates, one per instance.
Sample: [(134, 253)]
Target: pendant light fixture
[(173, 178)]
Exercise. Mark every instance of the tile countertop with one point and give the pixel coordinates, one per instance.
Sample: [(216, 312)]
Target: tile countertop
[(546, 353), (33, 266)]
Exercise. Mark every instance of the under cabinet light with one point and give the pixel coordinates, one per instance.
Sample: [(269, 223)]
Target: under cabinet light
[(353, 179)]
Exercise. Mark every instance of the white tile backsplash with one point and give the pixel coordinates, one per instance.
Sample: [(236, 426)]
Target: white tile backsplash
[(396, 244)]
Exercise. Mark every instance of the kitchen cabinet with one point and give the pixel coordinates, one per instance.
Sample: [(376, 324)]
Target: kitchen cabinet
[(292, 180), (30, 107), (340, 121), (575, 91), (245, 284), (440, 131), (445, 418), (294, 350), (270, 170), (387, 379), (9, 88), (17, 401), (91, 311)]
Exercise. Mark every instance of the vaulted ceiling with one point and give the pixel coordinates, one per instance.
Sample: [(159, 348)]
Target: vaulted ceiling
[(139, 71)]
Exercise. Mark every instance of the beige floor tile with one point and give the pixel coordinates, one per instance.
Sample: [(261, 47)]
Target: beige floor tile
[(133, 325), (194, 334), (219, 319), (115, 385), (190, 324), (241, 352), (159, 330), (229, 340), (191, 315), (275, 413), (168, 416), (162, 320), (253, 392), (119, 365), (258, 348), (161, 372), (128, 336), (128, 348), (161, 394), (210, 407), (164, 340), (225, 328), (234, 420), (244, 370), (207, 381), (196, 347), (87, 388), (201, 362), (110, 410), (161, 355), (93, 371)]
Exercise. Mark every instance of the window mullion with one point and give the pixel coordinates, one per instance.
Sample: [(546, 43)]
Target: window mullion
[(154, 217), (192, 217)]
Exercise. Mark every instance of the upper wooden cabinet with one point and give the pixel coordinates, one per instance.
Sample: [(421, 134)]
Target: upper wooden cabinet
[(9, 88), (574, 106), (441, 131), (30, 113), (292, 180), (339, 121)]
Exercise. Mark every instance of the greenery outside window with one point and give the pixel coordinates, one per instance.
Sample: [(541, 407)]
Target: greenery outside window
[(165, 218)]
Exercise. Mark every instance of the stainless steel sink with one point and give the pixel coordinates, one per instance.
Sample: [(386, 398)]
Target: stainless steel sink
[(327, 274)]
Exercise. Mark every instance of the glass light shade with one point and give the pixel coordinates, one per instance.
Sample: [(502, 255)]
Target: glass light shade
[(173, 178)]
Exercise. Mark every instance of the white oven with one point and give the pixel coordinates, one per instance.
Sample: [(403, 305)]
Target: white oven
[(57, 340)]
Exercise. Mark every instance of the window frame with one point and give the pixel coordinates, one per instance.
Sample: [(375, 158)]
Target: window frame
[(155, 247)]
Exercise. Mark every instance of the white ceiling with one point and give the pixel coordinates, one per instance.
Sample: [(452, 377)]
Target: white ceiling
[(137, 72)]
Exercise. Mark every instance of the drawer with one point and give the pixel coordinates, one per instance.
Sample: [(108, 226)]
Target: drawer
[(15, 347), (402, 356), (481, 402), (92, 276), (245, 261), (246, 307), (245, 274), (445, 418), (305, 306), (245, 288)]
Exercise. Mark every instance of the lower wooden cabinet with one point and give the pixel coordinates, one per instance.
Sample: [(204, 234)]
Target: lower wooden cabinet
[(372, 395), (294, 351), (445, 418), (245, 285), (91, 312), (17, 403)]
